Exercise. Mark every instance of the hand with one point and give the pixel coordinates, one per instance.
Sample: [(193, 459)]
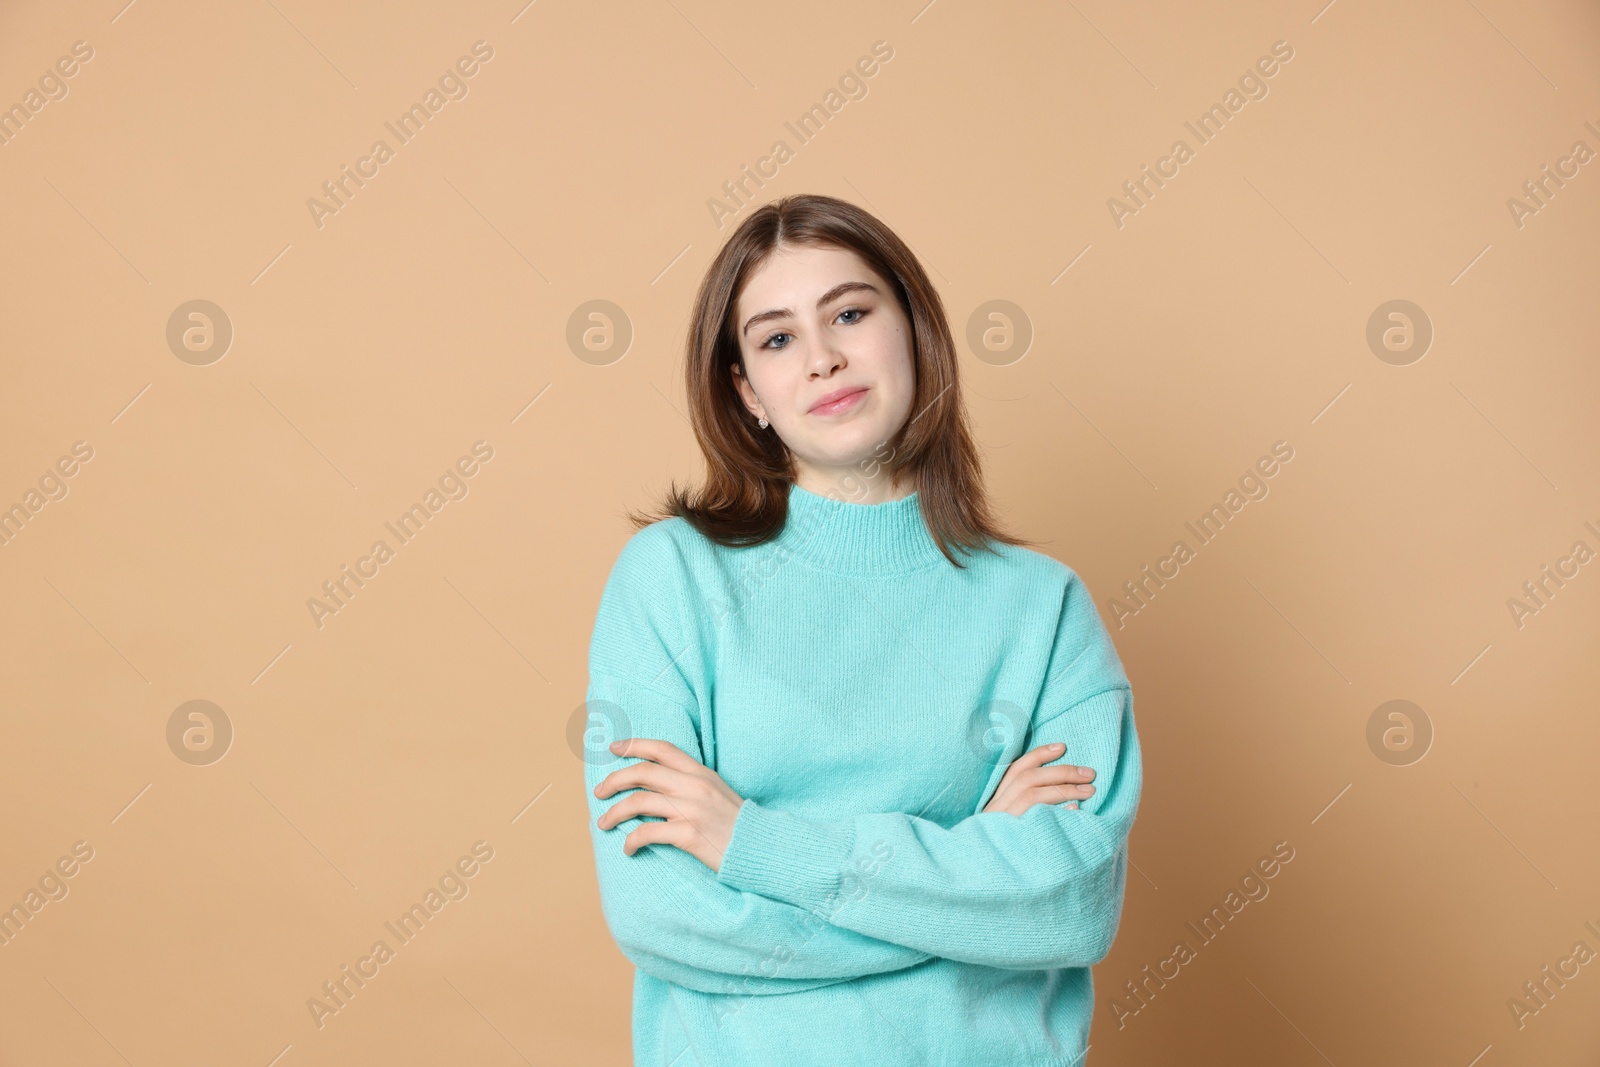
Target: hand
[(698, 805), (1028, 782)]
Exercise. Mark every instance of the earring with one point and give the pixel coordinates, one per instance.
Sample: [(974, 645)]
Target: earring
[(762, 423)]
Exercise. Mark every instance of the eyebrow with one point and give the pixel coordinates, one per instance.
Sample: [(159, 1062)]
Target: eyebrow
[(831, 295)]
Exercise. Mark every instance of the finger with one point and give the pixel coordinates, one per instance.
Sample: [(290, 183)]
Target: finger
[(1041, 755), (654, 801), (640, 776), (1063, 774), (1019, 766), (1027, 798), (1013, 799), (1019, 774), (1056, 794), (663, 752), (643, 802), (650, 833)]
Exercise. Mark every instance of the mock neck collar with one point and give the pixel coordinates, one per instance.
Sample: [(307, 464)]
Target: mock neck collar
[(860, 539)]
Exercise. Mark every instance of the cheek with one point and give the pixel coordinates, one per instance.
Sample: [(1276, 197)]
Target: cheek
[(896, 355), (773, 384), (890, 346)]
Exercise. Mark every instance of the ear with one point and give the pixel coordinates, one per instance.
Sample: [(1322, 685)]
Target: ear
[(752, 403)]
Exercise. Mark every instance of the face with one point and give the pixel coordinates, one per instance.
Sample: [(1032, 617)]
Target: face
[(814, 323)]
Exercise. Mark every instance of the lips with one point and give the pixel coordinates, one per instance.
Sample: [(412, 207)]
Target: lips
[(839, 400)]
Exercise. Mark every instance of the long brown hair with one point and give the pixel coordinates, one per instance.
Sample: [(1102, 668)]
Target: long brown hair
[(745, 498)]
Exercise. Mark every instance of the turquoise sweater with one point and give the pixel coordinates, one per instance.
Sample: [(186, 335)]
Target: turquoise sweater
[(865, 697)]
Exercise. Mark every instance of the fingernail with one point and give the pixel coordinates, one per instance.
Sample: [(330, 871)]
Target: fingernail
[(1058, 746), (616, 746)]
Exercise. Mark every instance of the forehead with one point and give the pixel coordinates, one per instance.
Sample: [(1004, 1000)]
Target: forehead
[(794, 276)]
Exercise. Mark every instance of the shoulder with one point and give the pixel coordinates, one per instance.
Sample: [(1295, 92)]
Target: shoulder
[(647, 610), (662, 551), (1043, 574), (665, 569), (1083, 654), (649, 544)]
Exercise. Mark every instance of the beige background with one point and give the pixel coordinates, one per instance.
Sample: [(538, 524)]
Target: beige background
[(431, 312)]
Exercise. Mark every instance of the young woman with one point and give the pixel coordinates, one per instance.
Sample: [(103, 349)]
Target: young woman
[(839, 790)]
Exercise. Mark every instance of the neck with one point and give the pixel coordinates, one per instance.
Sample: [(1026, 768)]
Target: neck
[(850, 483)]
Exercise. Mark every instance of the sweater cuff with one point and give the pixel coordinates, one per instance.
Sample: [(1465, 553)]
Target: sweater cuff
[(785, 857)]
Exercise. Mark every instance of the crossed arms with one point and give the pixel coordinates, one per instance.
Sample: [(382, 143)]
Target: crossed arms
[(798, 904)]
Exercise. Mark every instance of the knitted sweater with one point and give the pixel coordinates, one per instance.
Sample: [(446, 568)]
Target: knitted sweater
[(864, 697)]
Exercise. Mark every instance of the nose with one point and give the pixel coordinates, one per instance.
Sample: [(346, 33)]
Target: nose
[(824, 359)]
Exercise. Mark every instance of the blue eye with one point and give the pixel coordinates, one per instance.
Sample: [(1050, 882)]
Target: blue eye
[(861, 313)]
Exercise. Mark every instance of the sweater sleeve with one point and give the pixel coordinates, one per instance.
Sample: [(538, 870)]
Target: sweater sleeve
[(1032, 892), (669, 914)]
